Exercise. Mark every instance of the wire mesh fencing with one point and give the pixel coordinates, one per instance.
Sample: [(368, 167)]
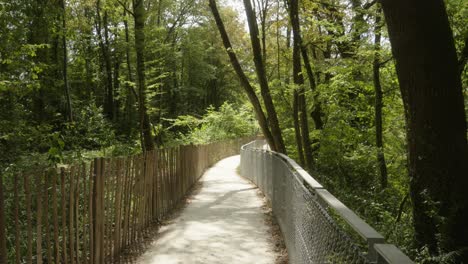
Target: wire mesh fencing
[(313, 222)]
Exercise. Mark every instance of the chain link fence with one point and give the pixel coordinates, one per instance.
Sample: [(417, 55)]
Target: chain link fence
[(316, 226)]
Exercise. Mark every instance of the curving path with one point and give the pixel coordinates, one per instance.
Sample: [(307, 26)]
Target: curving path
[(224, 223)]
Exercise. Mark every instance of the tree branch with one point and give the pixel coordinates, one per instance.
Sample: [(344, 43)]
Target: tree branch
[(124, 5), (369, 4), (386, 61)]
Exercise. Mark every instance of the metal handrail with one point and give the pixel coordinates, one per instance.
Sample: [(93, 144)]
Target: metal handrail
[(378, 251)]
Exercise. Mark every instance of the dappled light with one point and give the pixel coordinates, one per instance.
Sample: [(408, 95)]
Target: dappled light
[(112, 110)]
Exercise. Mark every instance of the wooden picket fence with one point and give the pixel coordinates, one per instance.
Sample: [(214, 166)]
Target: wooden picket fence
[(90, 212)]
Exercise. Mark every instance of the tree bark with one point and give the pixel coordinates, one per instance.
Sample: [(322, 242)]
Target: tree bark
[(104, 46), (116, 97), (316, 113), (127, 56), (65, 64), (263, 6), (297, 128), (379, 102), (299, 81), (262, 120), (278, 34), (430, 83), (145, 127), (262, 78), (108, 63)]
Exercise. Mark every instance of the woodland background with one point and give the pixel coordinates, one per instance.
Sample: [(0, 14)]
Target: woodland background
[(86, 78)]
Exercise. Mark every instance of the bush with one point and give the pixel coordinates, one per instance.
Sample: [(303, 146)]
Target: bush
[(225, 123)]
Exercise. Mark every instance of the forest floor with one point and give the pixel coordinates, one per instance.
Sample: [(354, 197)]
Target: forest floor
[(226, 220)]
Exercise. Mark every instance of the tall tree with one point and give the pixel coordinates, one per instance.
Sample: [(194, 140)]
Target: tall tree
[(262, 78), (65, 63), (430, 84), (103, 25), (262, 120), (299, 81), (378, 105), (139, 15)]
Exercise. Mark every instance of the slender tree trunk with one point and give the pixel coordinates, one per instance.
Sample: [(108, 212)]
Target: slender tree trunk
[(89, 83), (297, 128), (132, 95), (262, 120), (88, 57), (40, 34), (287, 78), (262, 78), (145, 127), (104, 46), (263, 6), (158, 21), (299, 81), (65, 64), (278, 34), (175, 82), (316, 113), (379, 102), (127, 57), (430, 83), (108, 63), (116, 101)]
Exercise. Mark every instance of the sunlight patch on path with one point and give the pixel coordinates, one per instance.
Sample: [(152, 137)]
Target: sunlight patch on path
[(224, 223)]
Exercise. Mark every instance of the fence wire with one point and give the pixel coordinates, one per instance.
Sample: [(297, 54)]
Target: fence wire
[(310, 233)]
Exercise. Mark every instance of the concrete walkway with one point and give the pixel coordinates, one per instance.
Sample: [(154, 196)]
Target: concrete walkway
[(224, 223)]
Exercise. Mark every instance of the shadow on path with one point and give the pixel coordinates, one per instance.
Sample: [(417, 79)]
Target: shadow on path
[(223, 223)]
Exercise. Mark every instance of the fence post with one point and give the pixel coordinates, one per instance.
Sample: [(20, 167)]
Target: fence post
[(98, 216)]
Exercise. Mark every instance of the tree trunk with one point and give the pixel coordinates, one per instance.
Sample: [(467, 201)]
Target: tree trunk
[(263, 6), (262, 120), (379, 102), (132, 96), (127, 56), (104, 46), (262, 78), (145, 128), (108, 62), (299, 81), (297, 128), (430, 83), (316, 113), (116, 101), (278, 34), (65, 64), (109, 105)]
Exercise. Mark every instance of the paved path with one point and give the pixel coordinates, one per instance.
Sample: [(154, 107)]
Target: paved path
[(224, 223)]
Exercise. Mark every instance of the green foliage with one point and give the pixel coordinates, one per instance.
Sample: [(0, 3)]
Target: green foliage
[(90, 130), (225, 123)]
